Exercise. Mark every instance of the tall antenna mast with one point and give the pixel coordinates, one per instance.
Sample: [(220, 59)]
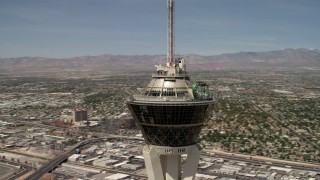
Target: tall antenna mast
[(170, 40)]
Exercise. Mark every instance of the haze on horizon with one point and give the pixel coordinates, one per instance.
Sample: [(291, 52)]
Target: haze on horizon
[(136, 27)]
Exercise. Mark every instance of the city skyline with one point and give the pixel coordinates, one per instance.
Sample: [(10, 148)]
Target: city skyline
[(62, 29)]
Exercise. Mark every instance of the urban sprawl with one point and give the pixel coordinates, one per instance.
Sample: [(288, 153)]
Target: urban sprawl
[(265, 125)]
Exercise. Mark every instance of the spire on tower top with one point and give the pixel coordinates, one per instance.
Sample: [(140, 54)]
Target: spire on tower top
[(170, 29)]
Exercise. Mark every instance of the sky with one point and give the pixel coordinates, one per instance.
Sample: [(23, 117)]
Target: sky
[(70, 28)]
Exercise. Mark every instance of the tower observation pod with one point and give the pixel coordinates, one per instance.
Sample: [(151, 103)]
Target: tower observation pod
[(170, 112)]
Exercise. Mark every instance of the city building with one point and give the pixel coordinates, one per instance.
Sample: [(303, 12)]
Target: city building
[(79, 115)]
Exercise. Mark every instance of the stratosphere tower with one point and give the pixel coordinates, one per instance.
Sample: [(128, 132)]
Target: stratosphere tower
[(170, 112)]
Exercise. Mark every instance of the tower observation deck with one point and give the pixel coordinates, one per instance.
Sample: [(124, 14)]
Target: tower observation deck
[(172, 109), (170, 113)]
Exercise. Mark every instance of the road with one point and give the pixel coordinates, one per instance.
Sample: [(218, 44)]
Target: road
[(58, 160), (23, 169), (63, 157), (236, 157), (23, 154), (107, 169), (264, 161)]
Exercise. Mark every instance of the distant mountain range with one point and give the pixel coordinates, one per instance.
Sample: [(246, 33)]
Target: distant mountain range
[(107, 62)]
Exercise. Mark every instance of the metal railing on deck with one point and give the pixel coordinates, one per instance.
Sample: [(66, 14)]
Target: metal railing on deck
[(166, 98), (161, 98)]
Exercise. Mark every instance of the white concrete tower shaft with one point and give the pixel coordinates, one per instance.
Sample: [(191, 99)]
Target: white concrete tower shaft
[(164, 163), (170, 32)]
